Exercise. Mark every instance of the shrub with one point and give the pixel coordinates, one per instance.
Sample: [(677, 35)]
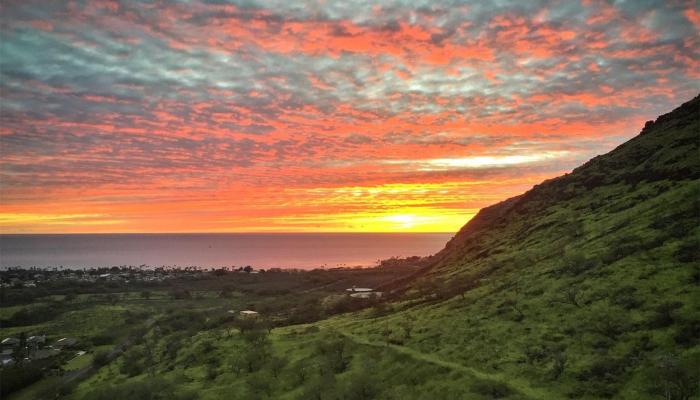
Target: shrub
[(148, 389), (575, 263), (100, 358), (688, 333), (688, 251), (491, 388), (102, 339), (622, 247), (625, 297), (674, 378), (16, 377), (362, 385), (664, 314), (605, 369)]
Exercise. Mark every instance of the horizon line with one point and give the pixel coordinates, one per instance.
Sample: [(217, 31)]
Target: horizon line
[(224, 233)]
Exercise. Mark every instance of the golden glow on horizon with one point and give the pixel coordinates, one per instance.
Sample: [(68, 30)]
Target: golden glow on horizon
[(478, 162), (11, 219)]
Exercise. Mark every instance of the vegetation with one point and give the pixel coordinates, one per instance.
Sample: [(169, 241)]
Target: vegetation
[(585, 287)]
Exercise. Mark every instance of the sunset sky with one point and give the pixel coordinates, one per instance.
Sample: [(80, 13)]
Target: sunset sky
[(337, 115)]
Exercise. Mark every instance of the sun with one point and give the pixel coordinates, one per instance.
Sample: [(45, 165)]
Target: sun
[(404, 221)]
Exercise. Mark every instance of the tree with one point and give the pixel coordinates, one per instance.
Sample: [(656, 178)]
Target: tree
[(333, 350), (260, 383), (407, 325), (277, 364), (568, 295), (558, 364), (362, 385), (100, 358), (675, 378), (575, 263)]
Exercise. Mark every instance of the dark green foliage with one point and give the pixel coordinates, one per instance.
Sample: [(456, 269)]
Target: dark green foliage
[(674, 378), (622, 247), (100, 358), (133, 362), (664, 314), (334, 352), (575, 263), (688, 251), (626, 298), (362, 385), (148, 389), (33, 314), (491, 389), (16, 377), (609, 321), (687, 333), (102, 339), (180, 294)]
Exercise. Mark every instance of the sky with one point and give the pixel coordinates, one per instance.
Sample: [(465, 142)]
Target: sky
[(335, 115)]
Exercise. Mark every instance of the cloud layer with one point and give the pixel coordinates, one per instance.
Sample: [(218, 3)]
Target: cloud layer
[(330, 115)]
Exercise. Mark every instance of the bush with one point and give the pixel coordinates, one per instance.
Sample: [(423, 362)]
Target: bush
[(16, 377), (626, 298), (147, 389), (32, 314), (675, 378), (100, 358), (576, 263), (688, 333), (622, 247), (362, 385), (492, 389), (664, 314), (605, 369), (334, 352), (688, 251), (101, 340)]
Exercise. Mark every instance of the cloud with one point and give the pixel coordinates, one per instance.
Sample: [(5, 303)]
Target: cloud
[(140, 112)]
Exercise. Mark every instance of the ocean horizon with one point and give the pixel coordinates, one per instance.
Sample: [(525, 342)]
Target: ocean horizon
[(213, 250)]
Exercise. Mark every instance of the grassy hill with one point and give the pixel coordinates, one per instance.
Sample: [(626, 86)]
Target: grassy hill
[(586, 286)]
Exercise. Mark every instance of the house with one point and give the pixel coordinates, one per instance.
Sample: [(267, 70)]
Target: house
[(6, 360), (44, 353), (355, 289), (36, 340), (10, 341), (366, 295), (65, 342), (249, 314), (363, 293)]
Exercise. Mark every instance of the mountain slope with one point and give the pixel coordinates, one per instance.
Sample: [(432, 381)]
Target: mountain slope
[(587, 285)]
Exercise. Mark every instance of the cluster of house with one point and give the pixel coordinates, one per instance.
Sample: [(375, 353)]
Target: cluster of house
[(363, 293), (32, 280), (245, 313), (33, 348)]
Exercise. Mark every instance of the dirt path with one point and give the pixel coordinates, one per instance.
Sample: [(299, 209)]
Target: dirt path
[(519, 384)]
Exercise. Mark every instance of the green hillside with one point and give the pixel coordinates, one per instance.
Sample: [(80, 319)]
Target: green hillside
[(586, 286)]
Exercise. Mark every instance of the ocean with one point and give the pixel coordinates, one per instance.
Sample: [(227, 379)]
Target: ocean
[(260, 250)]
